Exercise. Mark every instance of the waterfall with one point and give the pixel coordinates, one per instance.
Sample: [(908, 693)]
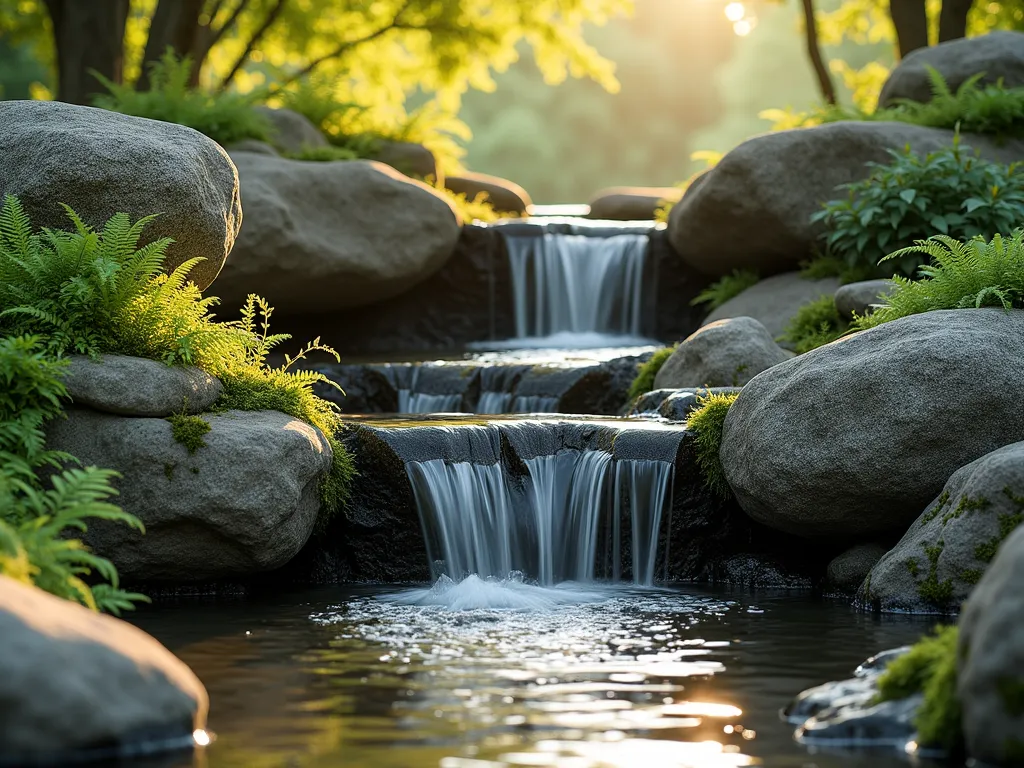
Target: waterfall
[(534, 404), (549, 525), (577, 284), (404, 378)]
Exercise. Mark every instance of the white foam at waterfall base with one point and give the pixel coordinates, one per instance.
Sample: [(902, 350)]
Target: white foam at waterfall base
[(478, 531), (618, 344), (512, 593)]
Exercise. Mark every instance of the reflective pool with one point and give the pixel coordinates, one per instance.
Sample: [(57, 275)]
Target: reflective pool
[(580, 676)]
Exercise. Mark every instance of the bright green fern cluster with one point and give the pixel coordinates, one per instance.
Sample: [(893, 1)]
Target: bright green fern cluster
[(97, 292), (961, 275), (644, 381), (728, 287), (929, 668), (226, 117), (707, 422), (38, 520)]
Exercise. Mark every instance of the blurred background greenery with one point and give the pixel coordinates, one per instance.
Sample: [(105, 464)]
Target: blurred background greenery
[(561, 96)]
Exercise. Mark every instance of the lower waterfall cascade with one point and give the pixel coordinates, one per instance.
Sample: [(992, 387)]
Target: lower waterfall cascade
[(549, 524)]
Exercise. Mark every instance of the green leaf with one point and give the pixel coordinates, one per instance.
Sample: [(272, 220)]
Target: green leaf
[(972, 204), (908, 195)]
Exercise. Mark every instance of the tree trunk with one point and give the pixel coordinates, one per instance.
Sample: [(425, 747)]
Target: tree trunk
[(175, 25), (825, 84), (911, 22), (953, 19), (88, 36)]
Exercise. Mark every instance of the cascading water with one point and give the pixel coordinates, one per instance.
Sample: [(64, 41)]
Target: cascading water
[(478, 521), (404, 378), (574, 284)]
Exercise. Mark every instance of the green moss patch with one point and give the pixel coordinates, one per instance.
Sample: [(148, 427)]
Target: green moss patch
[(815, 324), (929, 668), (189, 431), (644, 381), (707, 422)]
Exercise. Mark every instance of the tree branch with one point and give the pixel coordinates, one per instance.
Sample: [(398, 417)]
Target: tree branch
[(217, 34), (349, 44), (268, 22), (828, 89)]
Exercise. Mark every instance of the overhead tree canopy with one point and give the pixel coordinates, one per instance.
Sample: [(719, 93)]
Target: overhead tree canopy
[(378, 50)]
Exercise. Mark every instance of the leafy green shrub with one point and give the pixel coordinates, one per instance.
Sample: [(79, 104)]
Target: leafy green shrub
[(929, 668), (95, 292), (707, 421), (37, 522), (728, 287), (988, 109), (815, 324), (644, 381), (951, 191), (823, 266), (226, 117), (962, 275)]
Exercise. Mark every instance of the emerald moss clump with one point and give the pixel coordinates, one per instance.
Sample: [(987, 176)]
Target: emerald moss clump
[(728, 287), (707, 422), (815, 324), (986, 550), (929, 668), (189, 431), (644, 381)]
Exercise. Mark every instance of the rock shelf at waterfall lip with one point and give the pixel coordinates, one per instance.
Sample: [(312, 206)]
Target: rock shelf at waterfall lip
[(413, 420)]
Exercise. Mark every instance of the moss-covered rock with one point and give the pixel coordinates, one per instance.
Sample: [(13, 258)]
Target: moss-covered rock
[(936, 564)]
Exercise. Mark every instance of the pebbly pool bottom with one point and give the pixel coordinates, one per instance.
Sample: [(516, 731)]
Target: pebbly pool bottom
[(481, 675)]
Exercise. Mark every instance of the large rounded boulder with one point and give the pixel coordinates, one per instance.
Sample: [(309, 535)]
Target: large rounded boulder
[(631, 203), (238, 499), (727, 353), (996, 56), (504, 195), (947, 549), (857, 436), (990, 679), (324, 236), (101, 163), (770, 186), (76, 684)]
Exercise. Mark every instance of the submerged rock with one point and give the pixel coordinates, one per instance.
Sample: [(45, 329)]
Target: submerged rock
[(990, 683), (947, 549), (847, 571), (101, 163), (75, 683), (852, 438), (846, 714), (996, 56), (320, 237), (861, 298), (772, 185), (727, 353), (774, 301), (244, 502), (134, 386)]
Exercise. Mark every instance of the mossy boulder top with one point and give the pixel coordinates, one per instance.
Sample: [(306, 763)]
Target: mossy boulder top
[(101, 163), (134, 386), (857, 436), (996, 56)]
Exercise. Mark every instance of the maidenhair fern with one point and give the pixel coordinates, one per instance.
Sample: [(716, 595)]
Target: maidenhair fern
[(961, 275)]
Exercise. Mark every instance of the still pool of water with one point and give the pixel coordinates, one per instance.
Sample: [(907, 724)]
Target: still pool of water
[(577, 676)]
